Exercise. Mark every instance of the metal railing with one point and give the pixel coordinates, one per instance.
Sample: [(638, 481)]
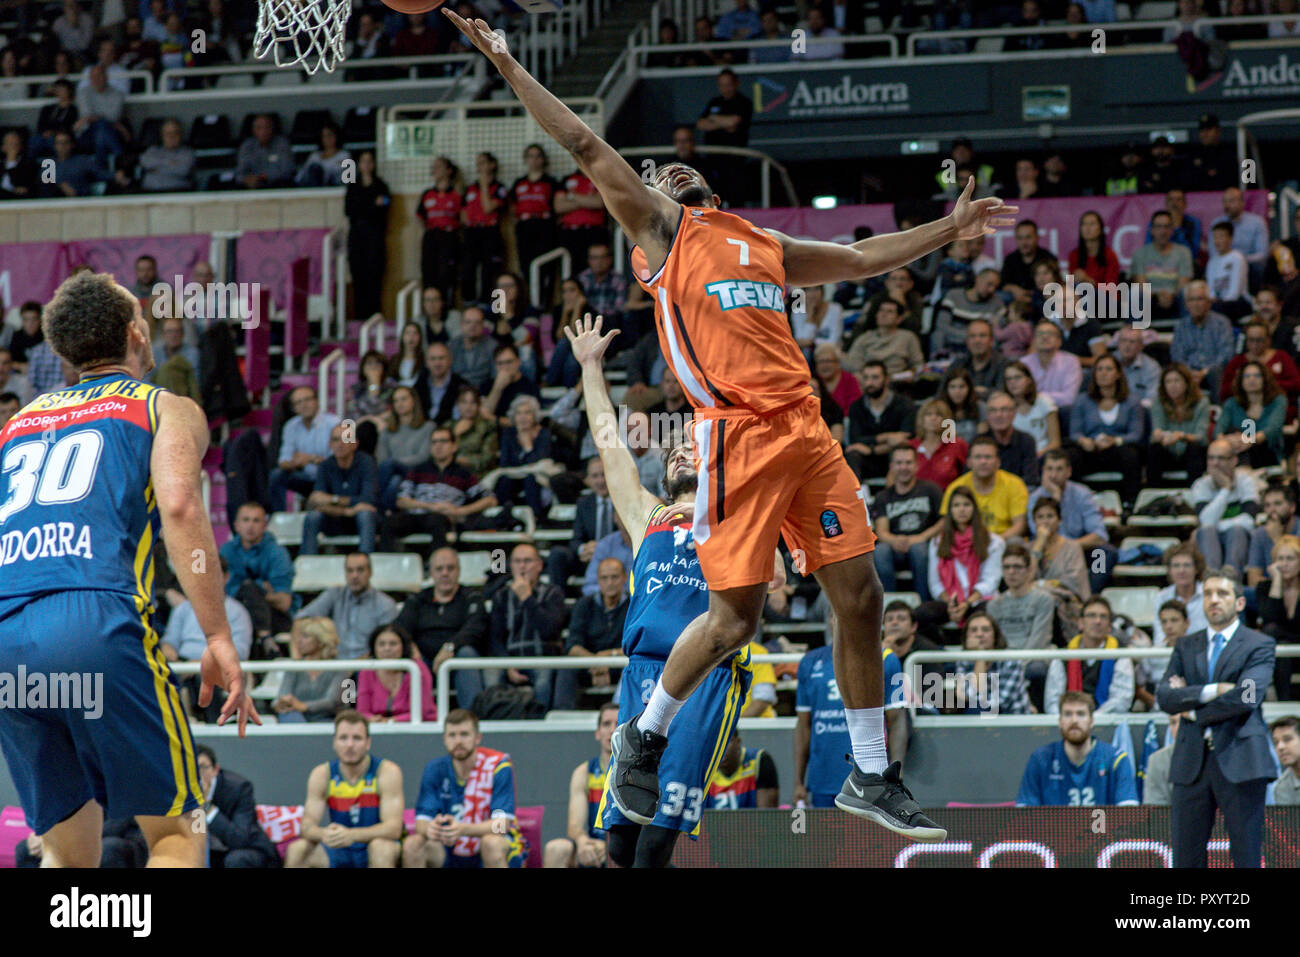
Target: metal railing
[(336, 359), (334, 253), (1248, 147), (442, 680), (1009, 32), (918, 658), (372, 327), (765, 171), (535, 272), (1288, 201), (886, 39), (258, 68), (39, 81), (408, 304), (334, 664)]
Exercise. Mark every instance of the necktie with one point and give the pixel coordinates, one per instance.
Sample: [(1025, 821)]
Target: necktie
[(602, 520), (1215, 649)]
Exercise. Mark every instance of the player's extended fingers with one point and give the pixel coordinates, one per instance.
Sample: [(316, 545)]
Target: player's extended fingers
[(205, 692), (234, 694), (247, 712)]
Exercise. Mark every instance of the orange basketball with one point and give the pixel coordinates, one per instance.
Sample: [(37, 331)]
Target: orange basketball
[(413, 6)]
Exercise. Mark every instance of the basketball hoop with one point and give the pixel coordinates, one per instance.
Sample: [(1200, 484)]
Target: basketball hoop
[(306, 32)]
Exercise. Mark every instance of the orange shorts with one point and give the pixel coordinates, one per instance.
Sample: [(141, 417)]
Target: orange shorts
[(761, 476)]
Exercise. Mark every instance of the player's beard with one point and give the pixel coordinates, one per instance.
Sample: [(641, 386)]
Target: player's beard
[(684, 482), (695, 195), (1076, 735)]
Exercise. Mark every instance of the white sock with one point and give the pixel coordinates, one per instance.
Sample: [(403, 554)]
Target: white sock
[(661, 710), (867, 732)]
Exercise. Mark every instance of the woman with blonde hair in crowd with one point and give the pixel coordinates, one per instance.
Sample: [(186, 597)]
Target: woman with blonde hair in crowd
[(940, 456), (311, 695)]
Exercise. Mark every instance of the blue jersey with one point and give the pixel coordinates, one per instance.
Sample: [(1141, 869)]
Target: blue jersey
[(668, 589), (441, 792), (818, 694), (77, 504), (1105, 777)]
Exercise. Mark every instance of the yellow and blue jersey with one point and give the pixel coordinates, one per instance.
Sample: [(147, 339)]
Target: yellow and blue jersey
[(77, 504), (78, 524), (595, 788), (352, 804), (729, 792)]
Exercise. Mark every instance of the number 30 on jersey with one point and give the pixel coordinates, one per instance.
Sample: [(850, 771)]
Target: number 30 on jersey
[(46, 474)]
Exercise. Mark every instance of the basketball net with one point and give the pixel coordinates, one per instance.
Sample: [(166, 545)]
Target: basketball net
[(306, 32)]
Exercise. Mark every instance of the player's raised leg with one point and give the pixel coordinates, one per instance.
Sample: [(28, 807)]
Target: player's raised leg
[(75, 841), (874, 788)]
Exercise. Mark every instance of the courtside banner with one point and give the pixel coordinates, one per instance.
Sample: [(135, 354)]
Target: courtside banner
[(1008, 837)]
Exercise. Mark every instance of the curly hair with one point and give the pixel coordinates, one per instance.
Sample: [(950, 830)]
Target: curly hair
[(87, 320)]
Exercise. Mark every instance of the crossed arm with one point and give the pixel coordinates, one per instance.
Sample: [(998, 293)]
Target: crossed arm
[(1231, 699)]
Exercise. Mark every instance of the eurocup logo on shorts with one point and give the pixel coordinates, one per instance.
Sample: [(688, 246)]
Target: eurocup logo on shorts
[(831, 524)]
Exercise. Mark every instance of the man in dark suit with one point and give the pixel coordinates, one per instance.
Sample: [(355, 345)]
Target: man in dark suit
[(437, 386), (593, 518), (235, 839), (1217, 678)]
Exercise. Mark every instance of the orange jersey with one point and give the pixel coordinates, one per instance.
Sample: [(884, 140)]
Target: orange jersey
[(720, 314)]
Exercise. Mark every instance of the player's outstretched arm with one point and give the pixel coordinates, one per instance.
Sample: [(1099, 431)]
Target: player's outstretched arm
[(646, 215), (812, 263), (175, 466), (631, 500)]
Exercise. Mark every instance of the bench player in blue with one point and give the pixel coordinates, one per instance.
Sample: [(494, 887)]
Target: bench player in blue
[(821, 736), (667, 592), (89, 477), (1078, 770)]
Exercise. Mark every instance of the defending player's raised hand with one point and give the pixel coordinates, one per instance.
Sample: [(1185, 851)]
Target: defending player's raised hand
[(219, 668), (589, 345), (980, 217), (491, 42)]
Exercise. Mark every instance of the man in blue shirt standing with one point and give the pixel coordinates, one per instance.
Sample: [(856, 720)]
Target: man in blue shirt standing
[(1078, 770)]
